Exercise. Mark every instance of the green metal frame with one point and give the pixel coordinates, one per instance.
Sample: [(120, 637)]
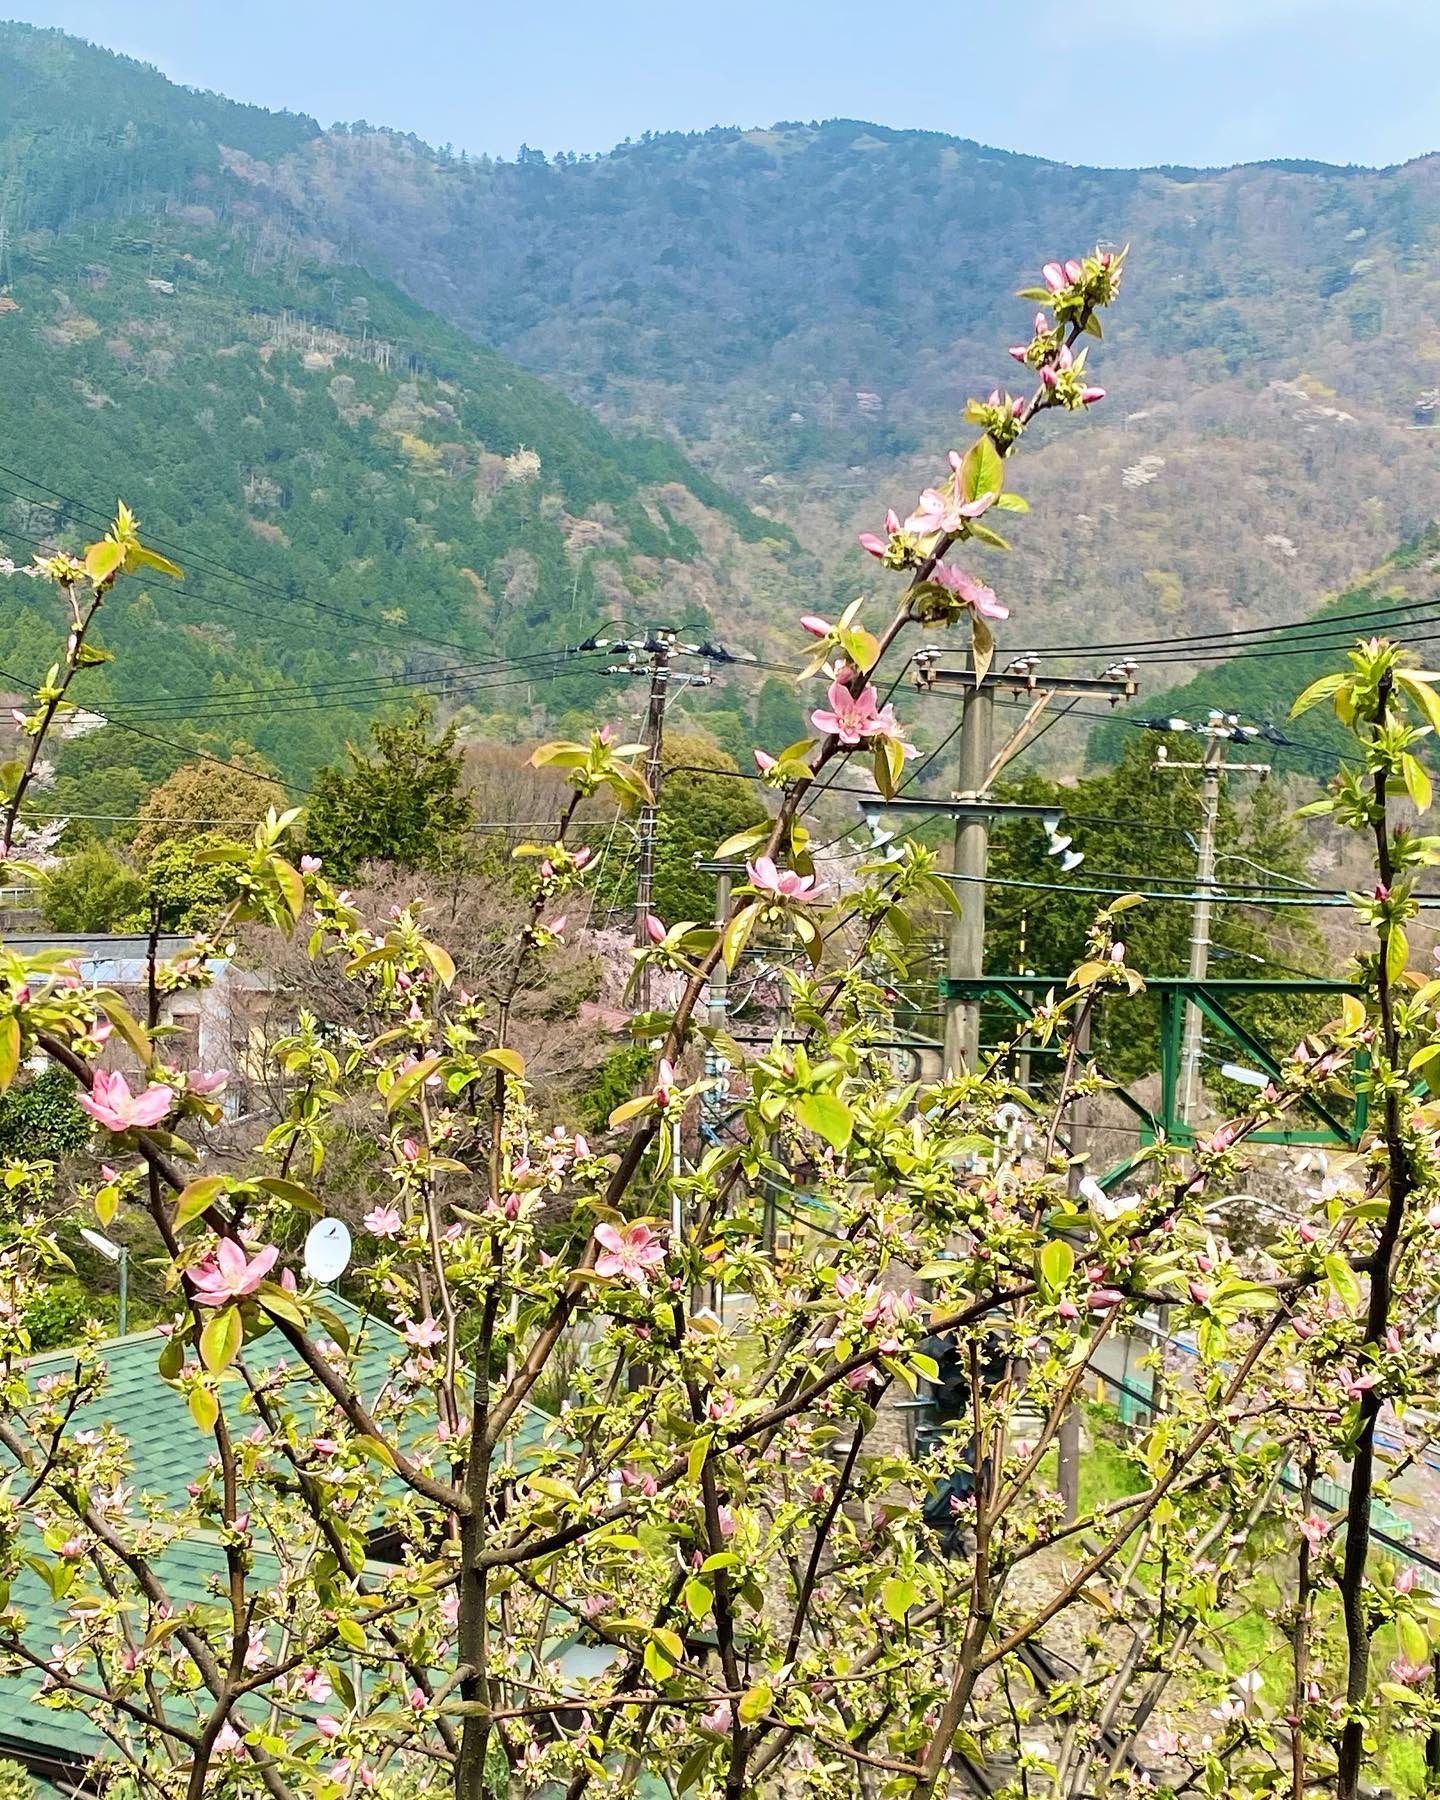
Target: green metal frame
[(1210, 995)]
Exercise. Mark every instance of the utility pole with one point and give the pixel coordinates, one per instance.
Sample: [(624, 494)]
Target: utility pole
[(653, 655), (1068, 1444), (1218, 731), (661, 647), (980, 764)]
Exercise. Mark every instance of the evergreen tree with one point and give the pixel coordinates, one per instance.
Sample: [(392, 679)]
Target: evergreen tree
[(402, 805)]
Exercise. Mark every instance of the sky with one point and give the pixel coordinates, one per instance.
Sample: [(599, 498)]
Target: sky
[(1114, 82)]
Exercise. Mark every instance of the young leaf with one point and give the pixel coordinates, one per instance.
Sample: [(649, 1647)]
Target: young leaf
[(9, 1050), (827, 1116), (221, 1339), (204, 1408), (196, 1197), (1057, 1260)]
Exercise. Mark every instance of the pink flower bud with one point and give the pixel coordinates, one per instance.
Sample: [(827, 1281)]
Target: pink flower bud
[(892, 521), (1074, 270), (763, 762), (654, 929), (1049, 377), (1089, 395), (1020, 352), (1054, 276), (1199, 1293), (1103, 1299), (582, 856), (817, 627)]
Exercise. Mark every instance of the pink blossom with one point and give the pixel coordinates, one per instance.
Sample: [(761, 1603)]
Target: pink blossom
[(974, 593), (328, 1726), (654, 929), (228, 1274), (111, 1104), (877, 546), (946, 512), (1103, 1299), (855, 717), (664, 1081), (763, 761), (384, 1222), (310, 865), (1405, 1580), (228, 1741), (1055, 277), (1408, 1673), (557, 926), (314, 1684), (780, 884), (629, 1254), (199, 1082), (582, 856), (1312, 1530), (424, 1335)]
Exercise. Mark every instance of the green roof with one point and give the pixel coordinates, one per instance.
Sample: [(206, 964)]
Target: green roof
[(166, 1452)]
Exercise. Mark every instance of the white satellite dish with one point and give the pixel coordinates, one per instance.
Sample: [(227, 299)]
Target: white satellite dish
[(327, 1250)]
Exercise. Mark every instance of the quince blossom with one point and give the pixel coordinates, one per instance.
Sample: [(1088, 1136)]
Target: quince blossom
[(628, 1255), (974, 593), (780, 884), (111, 1104), (228, 1274), (853, 718)]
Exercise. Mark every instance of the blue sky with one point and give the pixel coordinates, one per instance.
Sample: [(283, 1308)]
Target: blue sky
[(1118, 82)]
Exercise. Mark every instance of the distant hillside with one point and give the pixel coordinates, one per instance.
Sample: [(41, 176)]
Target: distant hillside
[(807, 308), (356, 488), (1261, 681)]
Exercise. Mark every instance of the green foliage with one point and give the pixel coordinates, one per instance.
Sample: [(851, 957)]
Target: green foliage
[(1137, 827), (202, 795), (92, 891), (39, 1120), (186, 892), (614, 1081), (16, 1782), (403, 805), (59, 1315)]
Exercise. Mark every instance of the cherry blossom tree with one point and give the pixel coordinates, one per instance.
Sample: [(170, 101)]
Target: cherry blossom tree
[(626, 1507)]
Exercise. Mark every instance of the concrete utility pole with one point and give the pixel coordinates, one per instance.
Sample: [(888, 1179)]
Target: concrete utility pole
[(1068, 1445), (653, 655), (661, 647), (980, 764), (1218, 731)]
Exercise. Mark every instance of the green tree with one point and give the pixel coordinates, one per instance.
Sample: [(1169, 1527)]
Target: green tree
[(91, 891), (202, 794), (1137, 826), (185, 891), (779, 716), (701, 804), (402, 805)]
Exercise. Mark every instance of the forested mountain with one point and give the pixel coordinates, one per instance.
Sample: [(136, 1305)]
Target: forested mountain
[(355, 487), (268, 336), (807, 308)]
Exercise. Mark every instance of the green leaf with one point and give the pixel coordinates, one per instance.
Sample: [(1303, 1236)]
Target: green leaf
[(107, 1201), (204, 1408), (755, 1702), (1397, 954), (196, 1197), (982, 647), (1316, 692), (631, 1109), (172, 1357), (152, 559), (1342, 1279), (103, 559), (128, 1026), (742, 841), (982, 471), (9, 1050), (737, 933), (695, 1765), (827, 1116), (293, 1192), (411, 1081), (657, 1665), (1414, 1645), (349, 1632), (502, 1057), (697, 1597), (897, 1596), (1057, 1261), (1417, 782), (699, 1450), (440, 960), (1421, 693), (221, 1339)]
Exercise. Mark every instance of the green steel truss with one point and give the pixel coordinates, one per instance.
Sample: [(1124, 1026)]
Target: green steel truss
[(1214, 996)]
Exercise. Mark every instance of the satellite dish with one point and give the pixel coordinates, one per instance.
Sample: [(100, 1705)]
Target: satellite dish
[(327, 1250)]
